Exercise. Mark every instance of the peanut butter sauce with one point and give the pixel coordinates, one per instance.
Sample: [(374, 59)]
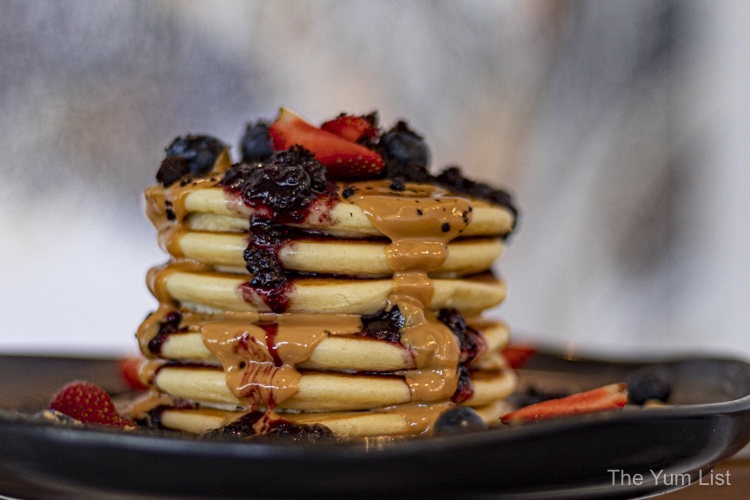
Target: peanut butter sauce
[(420, 222)]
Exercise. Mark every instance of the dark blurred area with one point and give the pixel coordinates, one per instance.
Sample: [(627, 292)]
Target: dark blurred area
[(620, 128)]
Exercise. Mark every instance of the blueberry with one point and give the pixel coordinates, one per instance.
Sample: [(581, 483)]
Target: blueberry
[(256, 143), (649, 382), (405, 146), (200, 151), (458, 420)]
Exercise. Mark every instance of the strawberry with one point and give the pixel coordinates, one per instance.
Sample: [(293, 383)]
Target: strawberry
[(89, 404), (129, 368), (609, 397), (517, 355), (352, 128), (343, 159)]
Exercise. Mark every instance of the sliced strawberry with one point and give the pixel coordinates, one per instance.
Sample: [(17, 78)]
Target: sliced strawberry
[(352, 128), (609, 397), (517, 355), (343, 159), (129, 368), (89, 404)]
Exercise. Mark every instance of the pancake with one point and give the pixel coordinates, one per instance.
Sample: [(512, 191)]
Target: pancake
[(320, 391), (224, 251), (401, 420), (210, 291), (335, 353), (213, 209)]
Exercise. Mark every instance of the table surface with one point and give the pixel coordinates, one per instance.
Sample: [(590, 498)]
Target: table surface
[(734, 476)]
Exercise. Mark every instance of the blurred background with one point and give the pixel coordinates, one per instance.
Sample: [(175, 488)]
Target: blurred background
[(621, 128)]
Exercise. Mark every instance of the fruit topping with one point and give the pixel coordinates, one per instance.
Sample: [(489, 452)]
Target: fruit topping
[(517, 355), (247, 426), (472, 344), (172, 169), (256, 145), (353, 128), (452, 178), (408, 172), (649, 383), (384, 325), (200, 151), (465, 388), (458, 420), (309, 433), (261, 254), (405, 146), (88, 403), (129, 368), (286, 183), (610, 397), (171, 324), (343, 159)]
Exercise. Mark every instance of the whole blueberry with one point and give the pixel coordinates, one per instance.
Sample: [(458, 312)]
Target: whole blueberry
[(405, 146), (459, 419), (200, 152), (649, 382), (255, 145)]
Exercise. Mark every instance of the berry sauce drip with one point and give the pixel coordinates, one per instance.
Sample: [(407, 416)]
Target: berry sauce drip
[(471, 342), (465, 389), (269, 281), (283, 187), (277, 299), (262, 253), (171, 324), (271, 331), (384, 325)]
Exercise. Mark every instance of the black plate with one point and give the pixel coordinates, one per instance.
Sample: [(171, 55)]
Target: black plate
[(564, 458)]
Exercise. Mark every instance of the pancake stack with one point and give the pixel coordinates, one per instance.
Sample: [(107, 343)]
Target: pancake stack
[(324, 284)]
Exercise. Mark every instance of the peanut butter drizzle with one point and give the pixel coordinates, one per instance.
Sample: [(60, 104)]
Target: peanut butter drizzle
[(420, 222), (260, 360)]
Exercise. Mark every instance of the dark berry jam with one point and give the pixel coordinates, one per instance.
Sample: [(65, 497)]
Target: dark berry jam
[(285, 185), (471, 342), (277, 299), (465, 389), (240, 428), (245, 427), (171, 324), (172, 169), (452, 178), (299, 432), (384, 325)]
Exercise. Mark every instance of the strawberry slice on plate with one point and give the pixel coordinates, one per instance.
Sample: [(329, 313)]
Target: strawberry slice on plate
[(517, 355), (343, 159), (129, 369), (352, 128), (88, 403), (609, 397)]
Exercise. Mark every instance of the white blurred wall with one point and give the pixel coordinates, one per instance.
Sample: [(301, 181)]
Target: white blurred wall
[(621, 129)]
